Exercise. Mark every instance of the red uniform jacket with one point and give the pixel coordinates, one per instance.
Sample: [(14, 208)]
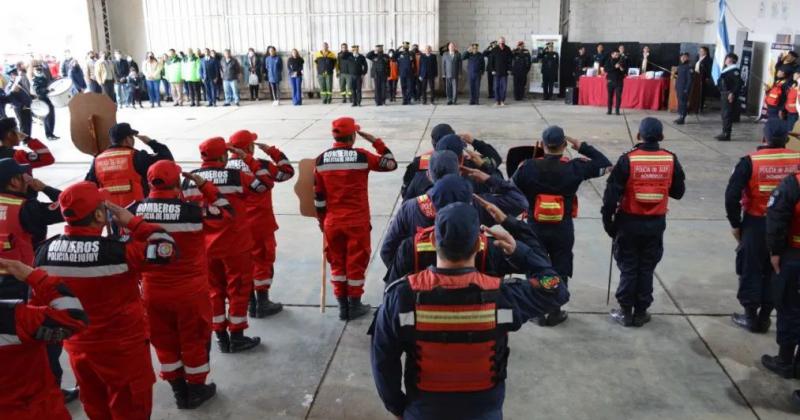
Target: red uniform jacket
[(223, 236), (38, 155), (340, 182), (25, 379), (104, 274)]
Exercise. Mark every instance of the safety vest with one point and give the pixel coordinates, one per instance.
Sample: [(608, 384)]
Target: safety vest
[(15, 242), (774, 93), (791, 100), (425, 206), (551, 208), (770, 166), (116, 174), (425, 161), (647, 189), (456, 331), (425, 250), (794, 227)]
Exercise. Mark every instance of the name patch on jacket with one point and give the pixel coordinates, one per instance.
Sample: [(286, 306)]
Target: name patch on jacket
[(216, 177), (652, 171), (340, 156), (155, 212), (64, 250), (341, 159)]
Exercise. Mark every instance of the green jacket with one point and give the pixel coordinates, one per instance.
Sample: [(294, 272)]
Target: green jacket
[(172, 70), (190, 69)]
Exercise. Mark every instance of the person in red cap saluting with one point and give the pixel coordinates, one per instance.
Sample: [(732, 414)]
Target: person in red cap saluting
[(260, 217), (176, 295), (110, 359), (342, 202), (228, 239)]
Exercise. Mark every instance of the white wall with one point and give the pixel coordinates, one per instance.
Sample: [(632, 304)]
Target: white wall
[(763, 18)]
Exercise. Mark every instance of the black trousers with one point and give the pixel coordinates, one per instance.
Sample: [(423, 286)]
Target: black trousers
[(406, 85), (108, 89), (24, 119), (417, 88), (392, 88), (683, 104), (637, 253), (194, 92), (474, 88), (548, 83), (520, 81), (50, 119), (253, 91), (355, 85), (380, 90), (427, 84), (614, 89), (490, 83), (788, 304), (728, 113), (558, 240), (753, 265)]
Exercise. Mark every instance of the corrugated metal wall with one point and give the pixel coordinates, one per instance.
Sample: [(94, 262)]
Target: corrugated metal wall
[(287, 24)]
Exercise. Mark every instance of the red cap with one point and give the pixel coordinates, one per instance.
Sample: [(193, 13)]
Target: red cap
[(213, 148), (344, 126), (164, 174), (242, 138), (81, 199)]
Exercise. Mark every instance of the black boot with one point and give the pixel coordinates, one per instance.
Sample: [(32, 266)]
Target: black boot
[(344, 308), (356, 309), (223, 341), (265, 306), (783, 363), (763, 321), (252, 308), (241, 342), (640, 318), (622, 316), (199, 393), (724, 137), (747, 320), (679, 121), (556, 317), (70, 394), (179, 390)]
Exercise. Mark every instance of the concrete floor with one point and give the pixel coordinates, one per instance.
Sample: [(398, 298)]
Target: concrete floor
[(690, 362)]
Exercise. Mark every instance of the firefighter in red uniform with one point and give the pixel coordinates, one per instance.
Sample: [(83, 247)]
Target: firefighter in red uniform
[(176, 295), (10, 137), (452, 323), (122, 170), (111, 359), (228, 240), (342, 201), (27, 389), (634, 215), (261, 218), (748, 191)]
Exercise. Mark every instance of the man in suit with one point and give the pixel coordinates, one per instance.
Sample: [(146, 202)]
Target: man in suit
[(451, 71)]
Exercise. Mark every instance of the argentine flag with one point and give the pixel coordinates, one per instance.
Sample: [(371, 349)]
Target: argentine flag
[(721, 49)]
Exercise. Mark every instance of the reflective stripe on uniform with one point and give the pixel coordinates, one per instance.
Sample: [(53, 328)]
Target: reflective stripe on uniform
[(11, 201), (42, 151), (406, 318), (283, 162), (338, 278), (776, 156), (9, 340), (261, 172), (645, 158), (262, 282), (550, 205), (221, 202), (205, 368), (461, 317), (191, 192), (546, 217), (182, 227), (217, 319), (171, 367), (86, 272), (112, 153), (230, 189), (65, 302), (236, 320), (505, 316), (649, 196), (341, 166), (118, 188), (766, 188), (355, 282), (160, 236), (318, 203), (425, 247)]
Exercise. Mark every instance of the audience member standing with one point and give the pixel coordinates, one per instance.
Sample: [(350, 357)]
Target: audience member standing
[(230, 69), (121, 70), (152, 73), (428, 72), (501, 56), (451, 71), (174, 76), (273, 64), (209, 72), (295, 67)]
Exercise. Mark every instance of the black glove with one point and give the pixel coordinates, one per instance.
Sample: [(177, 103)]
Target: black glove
[(610, 227)]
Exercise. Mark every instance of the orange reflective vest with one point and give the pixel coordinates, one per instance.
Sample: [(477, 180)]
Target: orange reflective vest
[(456, 329), (774, 93), (647, 189), (425, 250), (116, 174), (15, 242), (791, 100), (770, 166), (551, 208)]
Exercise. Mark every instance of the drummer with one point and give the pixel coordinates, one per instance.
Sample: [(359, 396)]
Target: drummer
[(18, 95), (37, 155), (39, 83)]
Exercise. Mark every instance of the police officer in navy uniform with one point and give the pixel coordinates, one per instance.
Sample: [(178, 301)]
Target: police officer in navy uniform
[(615, 69), (520, 66), (551, 185), (783, 242), (729, 83), (406, 69), (634, 216), (429, 316), (379, 73), (746, 197), (683, 86), (476, 65), (550, 60)]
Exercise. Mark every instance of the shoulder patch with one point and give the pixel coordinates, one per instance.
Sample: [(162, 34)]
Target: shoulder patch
[(545, 282), (33, 156)]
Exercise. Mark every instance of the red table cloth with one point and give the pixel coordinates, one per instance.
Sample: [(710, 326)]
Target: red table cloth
[(637, 92)]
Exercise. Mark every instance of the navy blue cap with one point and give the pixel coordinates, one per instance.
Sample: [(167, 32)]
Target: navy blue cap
[(11, 69), (651, 129), (118, 132), (439, 131), (9, 168), (553, 136), (457, 227), (450, 189), (453, 143), (776, 129), (443, 162)]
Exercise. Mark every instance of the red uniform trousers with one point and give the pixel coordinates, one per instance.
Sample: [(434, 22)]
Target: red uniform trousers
[(348, 250), (263, 258), (180, 331), (116, 383), (49, 406), (230, 278)]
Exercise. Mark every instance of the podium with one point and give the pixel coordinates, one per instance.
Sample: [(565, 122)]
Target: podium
[(694, 93)]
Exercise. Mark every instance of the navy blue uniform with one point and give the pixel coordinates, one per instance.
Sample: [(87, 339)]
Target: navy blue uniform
[(388, 347), (406, 64), (729, 83), (476, 65), (428, 72), (615, 78), (552, 175), (683, 86), (520, 66), (550, 61), (781, 219), (638, 239)]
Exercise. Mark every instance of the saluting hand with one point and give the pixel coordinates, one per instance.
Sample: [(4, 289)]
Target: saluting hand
[(576, 144), (34, 183), (120, 215), (144, 139), (502, 239), (263, 147), (493, 210), (475, 174), (16, 268), (197, 179), (241, 154), (467, 138), (475, 157), (366, 136)]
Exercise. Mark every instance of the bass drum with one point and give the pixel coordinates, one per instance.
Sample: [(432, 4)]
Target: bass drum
[(60, 92), (39, 108)]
